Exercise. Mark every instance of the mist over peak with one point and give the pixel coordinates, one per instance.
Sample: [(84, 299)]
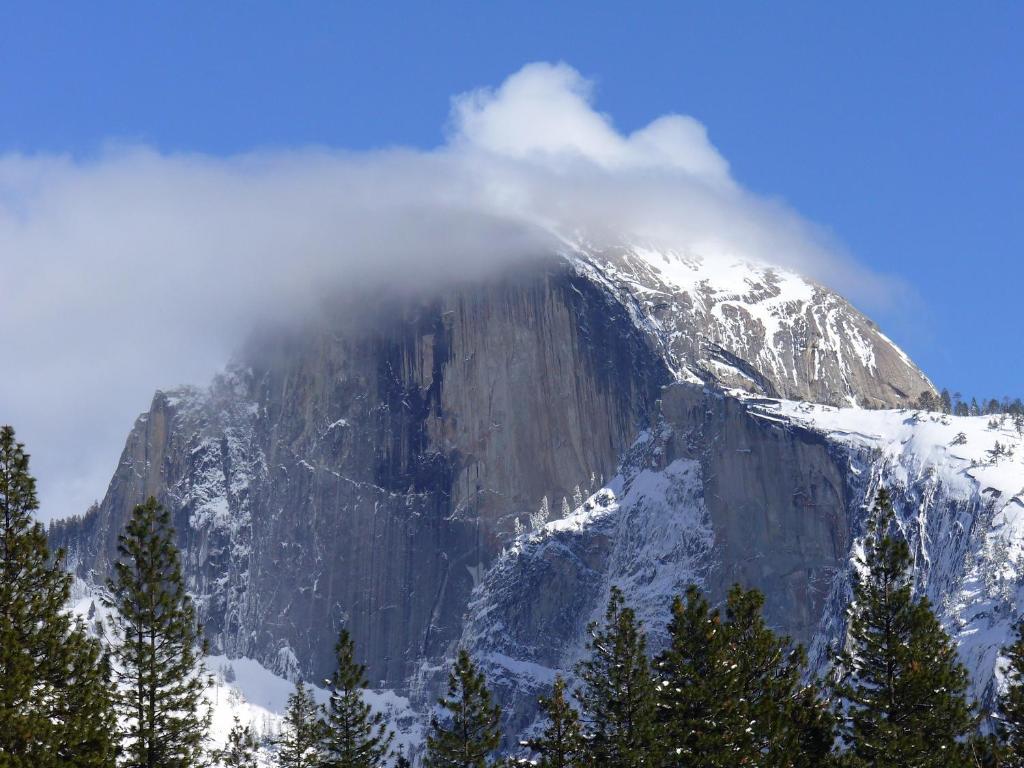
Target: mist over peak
[(134, 269)]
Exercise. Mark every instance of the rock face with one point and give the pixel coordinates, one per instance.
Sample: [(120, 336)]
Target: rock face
[(713, 496), (771, 494), (758, 328), (367, 473), (383, 468)]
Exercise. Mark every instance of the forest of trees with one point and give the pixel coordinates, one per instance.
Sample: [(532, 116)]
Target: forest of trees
[(725, 691), (958, 405)]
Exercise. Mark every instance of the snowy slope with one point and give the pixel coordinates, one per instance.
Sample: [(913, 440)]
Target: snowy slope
[(243, 688), (755, 326), (958, 487)]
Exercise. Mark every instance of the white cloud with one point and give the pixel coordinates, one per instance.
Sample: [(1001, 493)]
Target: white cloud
[(543, 113), (136, 270)]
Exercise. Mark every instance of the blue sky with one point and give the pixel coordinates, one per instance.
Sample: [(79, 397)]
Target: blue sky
[(896, 127)]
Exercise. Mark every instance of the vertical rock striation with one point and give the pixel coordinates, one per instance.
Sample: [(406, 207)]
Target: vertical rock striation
[(367, 471)]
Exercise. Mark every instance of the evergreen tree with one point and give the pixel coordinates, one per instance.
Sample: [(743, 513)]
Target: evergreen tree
[(902, 689), (55, 692), (354, 736), (401, 761), (562, 744), (240, 751), (730, 692), (688, 704), (467, 734), (617, 696), (1011, 702), (299, 744), (946, 400), (157, 645)]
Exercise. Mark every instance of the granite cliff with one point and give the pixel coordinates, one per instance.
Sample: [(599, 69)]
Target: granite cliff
[(477, 466)]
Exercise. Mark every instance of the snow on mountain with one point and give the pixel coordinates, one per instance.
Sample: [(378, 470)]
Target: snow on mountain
[(371, 472), (242, 689), (958, 486), (961, 502), (755, 326)]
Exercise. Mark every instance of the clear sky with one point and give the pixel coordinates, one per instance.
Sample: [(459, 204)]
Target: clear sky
[(895, 126)]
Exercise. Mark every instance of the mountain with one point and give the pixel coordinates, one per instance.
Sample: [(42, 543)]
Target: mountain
[(477, 465), (756, 327), (730, 488)]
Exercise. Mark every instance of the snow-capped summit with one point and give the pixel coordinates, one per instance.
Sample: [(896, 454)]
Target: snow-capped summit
[(757, 327)]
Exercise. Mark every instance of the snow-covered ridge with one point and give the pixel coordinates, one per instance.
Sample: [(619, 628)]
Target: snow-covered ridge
[(754, 326), (958, 486)]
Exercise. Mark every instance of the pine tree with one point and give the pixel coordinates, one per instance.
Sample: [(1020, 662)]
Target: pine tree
[(240, 751), (467, 734), (157, 645), (562, 744), (401, 761), (55, 691), (902, 689), (1011, 703), (688, 703), (617, 696), (354, 736), (784, 721), (730, 692), (946, 400), (541, 516), (299, 744)]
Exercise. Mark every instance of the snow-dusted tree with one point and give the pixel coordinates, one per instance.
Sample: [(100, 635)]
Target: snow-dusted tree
[(1011, 703), (542, 515), (946, 401), (561, 745), (617, 694), (240, 751), (354, 735), (158, 647), (996, 452), (901, 687), (565, 508), (55, 693), (466, 734), (730, 692), (577, 498), (302, 732)]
